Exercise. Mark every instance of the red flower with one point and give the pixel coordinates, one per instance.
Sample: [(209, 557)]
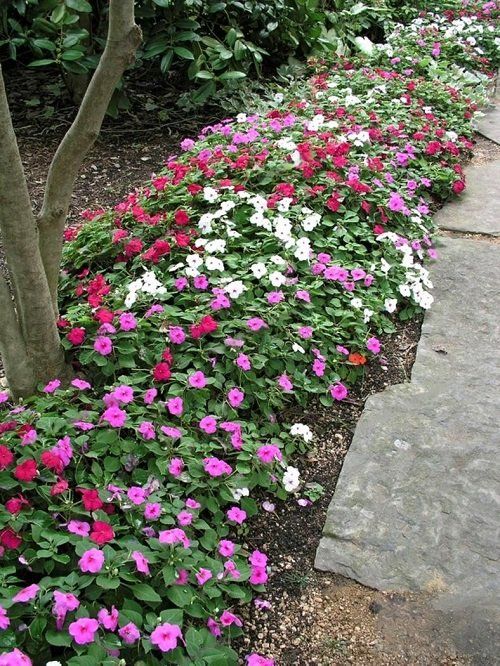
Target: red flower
[(161, 372), (357, 359), (133, 247), (194, 189), (206, 325), (52, 461), (6, 457), (104, 316), (26, 471), (15, 504), (119, 235), (181, 239), (167, 356), (76, 336), (9, 539), (91, 500), (101, 532), (59, 487), (333, 203), (181, 217), (458, 186)]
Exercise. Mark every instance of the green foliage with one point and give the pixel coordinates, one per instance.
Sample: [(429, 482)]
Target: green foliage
[(212, 44)]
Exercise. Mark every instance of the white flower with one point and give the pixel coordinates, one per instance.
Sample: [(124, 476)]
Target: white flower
[(279, 261), (53, 663), (241, 118), (258, 269), (311, 221), (210, 195), (297, 348), (205, 222), (404, 290), (367, 315), (302, 430), (291, 479), (214, 246), (390, 304), (238, 493), (130, 299), (277, 279), (214, 264), (284, 204), (235, 289), (384, 266), (356, 303), (194, 260)]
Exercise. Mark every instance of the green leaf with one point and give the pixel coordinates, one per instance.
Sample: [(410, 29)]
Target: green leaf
[(59, 638), (72, 54), (231, 76), (79, 5), (183, 52), (166, 61), (204, 75), (41, 63), (145, 592)]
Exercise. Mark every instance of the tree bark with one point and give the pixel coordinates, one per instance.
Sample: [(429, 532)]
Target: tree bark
[(33, 304), (124, 37)]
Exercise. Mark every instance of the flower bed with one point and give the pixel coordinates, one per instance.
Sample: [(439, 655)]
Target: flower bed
[(258, 268)]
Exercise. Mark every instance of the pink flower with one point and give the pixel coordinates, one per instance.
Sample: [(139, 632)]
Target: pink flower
[(123, 394), (373, 345), (26, 594), (175, 406), (176, 466), (226, 548), (80, 384), (127, 321), (29, 437), (15, 658), (213, 627), (197, 380), (65, 601), (243, 362), (91, 561), (285, 383), (166, 636), (236, 515), (258, 559), (184, 518), (303, 295), (83, 630), (129, 633), (150, 395), (256, 323), (175, 433), (176, 335), (79, 527), (208, 424), (255, 659), (216, 467), (235, 397), (173, 536), (305, 332), (203, 576), (274, 297), (4, 620), (52, 386), (152, 511), (147, 430), (4, 396), (141, 562), (227, 618), (338, 391), (109, 620), (258, 576), (136, 495), (268, 453), (192, 504), (115, 416), (103, 345)]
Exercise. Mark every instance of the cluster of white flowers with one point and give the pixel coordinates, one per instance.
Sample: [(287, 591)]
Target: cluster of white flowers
[(291, 479), (148, 284), (238, 493), (302, 430)]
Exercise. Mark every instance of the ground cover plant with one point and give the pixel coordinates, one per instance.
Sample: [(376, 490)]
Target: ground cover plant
[(257, 268)]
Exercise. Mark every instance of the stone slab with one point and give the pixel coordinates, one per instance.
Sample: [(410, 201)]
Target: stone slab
[(477, 210), (489, 124), (417, 504)]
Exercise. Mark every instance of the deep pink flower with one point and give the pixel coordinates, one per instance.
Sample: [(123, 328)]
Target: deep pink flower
[(176, 466), (52, 386), (103, 345), (203, 576), (166, 636), (285, 383), (175, 406), (226, 548), (338, 391), (236, 515), (197, 380), (235, 397), (208, 424), (243, 362), (79, 527), (227, 618), (108, 619), (268, 453), (141, 562), (373, 345), (26, 594), (216, 467), (152, 511), (91, 561), (115, 416), (83, 630), (176, 335), (256, 323), (173, 536), (129, 633), (127, 321)]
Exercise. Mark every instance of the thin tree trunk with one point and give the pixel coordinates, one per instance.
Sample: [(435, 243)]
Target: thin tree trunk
[(124, 37), (33, 303)]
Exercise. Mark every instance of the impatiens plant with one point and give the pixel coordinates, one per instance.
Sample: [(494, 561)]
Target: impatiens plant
[(259, 267)]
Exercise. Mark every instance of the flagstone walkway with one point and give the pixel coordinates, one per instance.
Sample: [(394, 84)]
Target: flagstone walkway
[(417, 504)]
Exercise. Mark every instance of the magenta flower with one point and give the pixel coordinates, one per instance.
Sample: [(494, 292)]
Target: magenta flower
[(52, 386), (338, 391), (147, 430), (227, 618), (184, 518), (123, 394), (150, 395), (373, 345), (127, 321), (115, 416), (91, 561), (285, 383), (108, 619), (216, 467), (235, 397), (136, 495), (256, 323), (176, 466), (197, 380), (243, 362), (176, 335), (236, 515), (175, 433), (192, 504), (79, 527), (274, 297), (173, 536), (203, 576), (226, 548), (268, 453), (152, 511), (258, 576), (303, 295), (83, 630), (103, 345), (141, 562), (166, 636), (255, 659), (129, 633), (26, 594), (208, 424), (80, 384), (305, 332), (175, 406), (258, 559)]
